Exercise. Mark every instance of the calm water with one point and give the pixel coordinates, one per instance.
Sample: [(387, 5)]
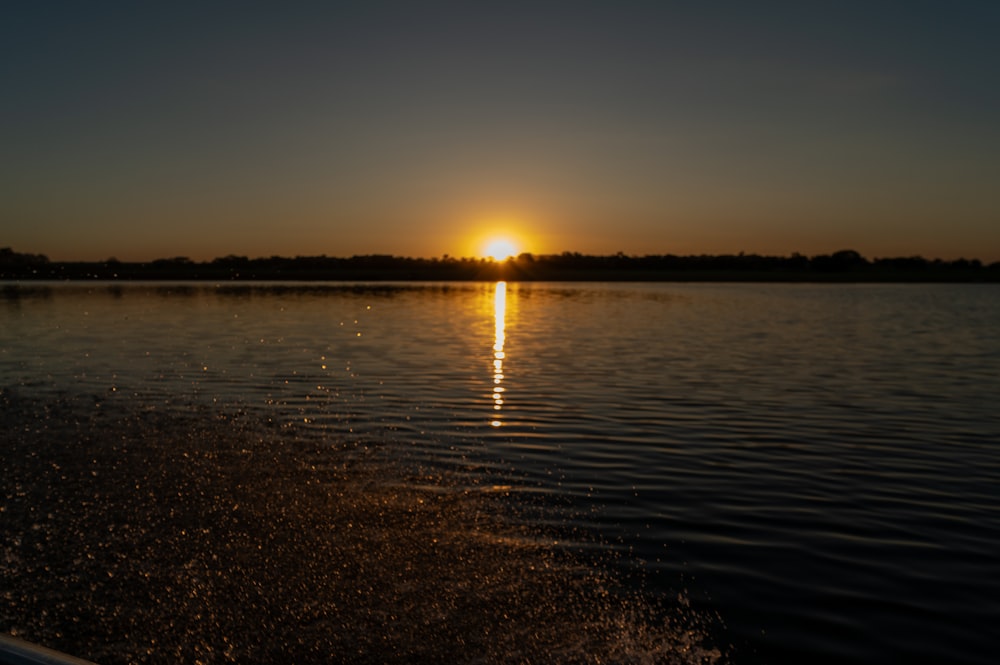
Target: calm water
[(816, 466)]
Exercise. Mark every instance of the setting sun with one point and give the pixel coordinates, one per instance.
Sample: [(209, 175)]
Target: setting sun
[(500, 249)]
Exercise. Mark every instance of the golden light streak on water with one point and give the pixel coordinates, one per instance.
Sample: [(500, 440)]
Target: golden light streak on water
[(499, 317)]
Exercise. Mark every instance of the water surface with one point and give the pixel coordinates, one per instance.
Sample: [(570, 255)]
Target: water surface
[(815, 466)]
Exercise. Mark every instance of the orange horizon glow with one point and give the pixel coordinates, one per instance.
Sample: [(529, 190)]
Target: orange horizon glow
[(498, 236)]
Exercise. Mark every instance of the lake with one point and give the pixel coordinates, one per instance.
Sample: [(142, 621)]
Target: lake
[(705, 472)]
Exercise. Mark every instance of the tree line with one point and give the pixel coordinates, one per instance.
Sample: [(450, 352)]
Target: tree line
[(844, 266)]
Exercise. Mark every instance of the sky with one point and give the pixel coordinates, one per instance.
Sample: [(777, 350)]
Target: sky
[(141, 130)]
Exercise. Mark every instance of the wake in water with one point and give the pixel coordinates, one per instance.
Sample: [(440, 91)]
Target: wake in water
[(161, 534)]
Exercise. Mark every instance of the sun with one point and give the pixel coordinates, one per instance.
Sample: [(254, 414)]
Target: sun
[(500, 249)]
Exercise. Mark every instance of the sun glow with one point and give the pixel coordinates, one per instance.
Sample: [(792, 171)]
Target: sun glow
[(500, 249)]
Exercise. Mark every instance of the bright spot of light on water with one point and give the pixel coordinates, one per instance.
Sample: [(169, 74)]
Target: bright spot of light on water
[(499, 318)]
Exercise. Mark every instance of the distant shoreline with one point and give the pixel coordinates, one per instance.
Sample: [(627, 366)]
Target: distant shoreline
[(846, 266)]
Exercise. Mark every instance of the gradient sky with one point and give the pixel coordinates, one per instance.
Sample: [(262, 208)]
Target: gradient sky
[(141, 130)]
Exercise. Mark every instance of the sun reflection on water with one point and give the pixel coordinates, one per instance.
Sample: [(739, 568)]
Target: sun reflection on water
[(499, 316)]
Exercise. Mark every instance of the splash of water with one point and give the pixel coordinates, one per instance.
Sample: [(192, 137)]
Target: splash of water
[(139, 533)]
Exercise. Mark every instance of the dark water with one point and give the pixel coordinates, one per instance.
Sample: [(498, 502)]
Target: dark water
[(815, 469)]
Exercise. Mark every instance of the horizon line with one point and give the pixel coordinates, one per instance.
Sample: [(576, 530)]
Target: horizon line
[(8, 252)]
